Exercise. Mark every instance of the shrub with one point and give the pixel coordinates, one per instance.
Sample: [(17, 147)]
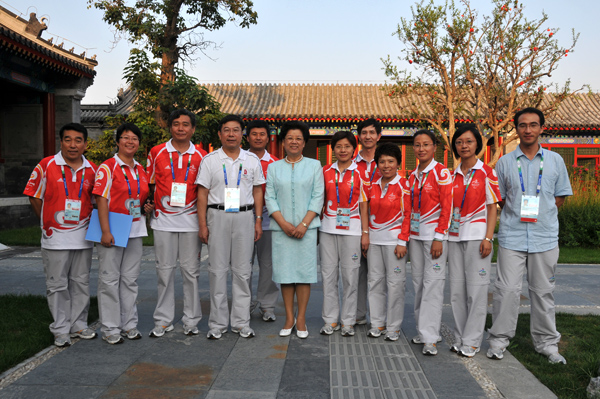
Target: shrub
[(579, 217)]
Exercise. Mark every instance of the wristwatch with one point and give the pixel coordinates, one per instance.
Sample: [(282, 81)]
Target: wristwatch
[(259, 217), (490, 240)]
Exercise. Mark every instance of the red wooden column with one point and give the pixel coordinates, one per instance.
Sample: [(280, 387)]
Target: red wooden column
[(49, 127)]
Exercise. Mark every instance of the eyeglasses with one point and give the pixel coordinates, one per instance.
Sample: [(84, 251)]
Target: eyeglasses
[(423, 146), (294, 139), (235, 130), (460, 143), (532, 125), (130, 138)]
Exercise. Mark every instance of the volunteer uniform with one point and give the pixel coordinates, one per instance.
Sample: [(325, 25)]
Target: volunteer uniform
[(389, 225), (66, 196), (528, 243), (231, 234), (431, 193), (267, 291), (368, 173), (175, 225), (468, 272), (126, 190), (339, 243)]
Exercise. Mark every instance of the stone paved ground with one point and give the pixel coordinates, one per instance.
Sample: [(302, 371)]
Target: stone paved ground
[(269, 366)]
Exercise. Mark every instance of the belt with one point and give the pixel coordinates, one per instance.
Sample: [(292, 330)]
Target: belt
[(222, 207)]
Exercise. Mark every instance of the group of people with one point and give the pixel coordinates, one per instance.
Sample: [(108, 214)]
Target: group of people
[(361, 216)]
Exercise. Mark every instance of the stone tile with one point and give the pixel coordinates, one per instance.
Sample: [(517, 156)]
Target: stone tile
[(17, 391), (305, 376), (215, 394), (250, 375), (261, 347)]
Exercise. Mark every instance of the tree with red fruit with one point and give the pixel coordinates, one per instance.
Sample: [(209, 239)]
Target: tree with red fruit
[(481, 69)]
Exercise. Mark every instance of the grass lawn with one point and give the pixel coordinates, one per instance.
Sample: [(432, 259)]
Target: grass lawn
[(24, 321), (580, 345)]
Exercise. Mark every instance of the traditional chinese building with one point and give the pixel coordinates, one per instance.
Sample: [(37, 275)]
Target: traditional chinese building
[(573, 131), (42, 84)]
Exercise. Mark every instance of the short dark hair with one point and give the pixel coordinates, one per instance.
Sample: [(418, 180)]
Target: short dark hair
[(529, 110), (343, 134), (182, 112), (231, 118), (462, 130), (389, 149), (128, 127), (428, 133), (294, 125), (257, 124), (369, 122), (78, 127)]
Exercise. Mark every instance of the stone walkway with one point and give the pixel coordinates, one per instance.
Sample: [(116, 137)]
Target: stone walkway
[(269, 366)]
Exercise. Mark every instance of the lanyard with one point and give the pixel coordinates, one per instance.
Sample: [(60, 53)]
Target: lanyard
[(466, 187), (137, 176), (373, 174), (412, 190), (188, 166), (337, 189), (62, 168), (539, 184), (239, 175)]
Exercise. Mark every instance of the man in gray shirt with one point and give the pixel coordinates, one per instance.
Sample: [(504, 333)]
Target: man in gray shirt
[(533, 183)]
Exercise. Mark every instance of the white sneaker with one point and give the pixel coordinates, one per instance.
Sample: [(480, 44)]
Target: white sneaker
[(328, 329), (392, 336), (269, 316), (62, 340), (495, 353), (245, 332), (113, 339), (131, 334), (430, 349), (159, 331), (375, 332), (215, 333), (557, 358), (347, 331), (468, 351), (86, 333), (190, 330)]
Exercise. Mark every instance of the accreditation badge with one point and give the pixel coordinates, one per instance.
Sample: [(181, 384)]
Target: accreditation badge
[(342, 219), (135, 209), (72, 211), (178, 194), (455, 223), (415, 223), (530, 208), (232, 199)]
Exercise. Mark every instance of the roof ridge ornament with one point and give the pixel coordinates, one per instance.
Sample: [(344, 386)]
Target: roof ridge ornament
[(34, 26)]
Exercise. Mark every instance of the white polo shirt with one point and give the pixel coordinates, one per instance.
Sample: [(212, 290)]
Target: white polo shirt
[(211, 175)]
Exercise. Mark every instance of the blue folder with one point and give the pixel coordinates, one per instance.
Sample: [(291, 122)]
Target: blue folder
[(120, 227)]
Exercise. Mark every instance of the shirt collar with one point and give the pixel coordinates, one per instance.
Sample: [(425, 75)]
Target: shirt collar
[(266, 156), (60, 160), (519, 153), (478, 165), (190, 149), (121, 163), (242, 156), (360, 158), (427, 169), (351, 167), (395, 180)]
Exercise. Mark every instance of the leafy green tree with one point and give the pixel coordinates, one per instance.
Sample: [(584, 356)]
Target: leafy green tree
[(167, 33), (478, 69)]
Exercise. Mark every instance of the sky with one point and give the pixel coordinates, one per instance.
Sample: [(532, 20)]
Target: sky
[(302, 41)]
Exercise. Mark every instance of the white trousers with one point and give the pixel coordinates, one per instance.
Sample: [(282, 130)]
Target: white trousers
[(469, 276), (362, 307), (387, 284), (169, 247), (230, 242), (117, 286), (429, 278), (540, 268), (339, 253), (68, 288), (267, 291)]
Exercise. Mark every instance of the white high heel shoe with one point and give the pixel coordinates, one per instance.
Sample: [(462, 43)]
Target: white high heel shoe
[(286, 332)]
